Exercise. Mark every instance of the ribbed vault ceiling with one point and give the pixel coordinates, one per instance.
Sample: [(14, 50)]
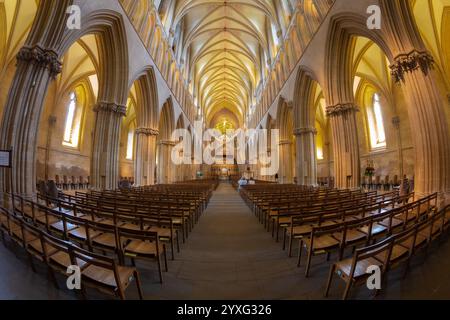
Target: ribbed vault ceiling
[(227, 45)]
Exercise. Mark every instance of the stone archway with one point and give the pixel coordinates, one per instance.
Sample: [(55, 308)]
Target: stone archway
[(165, 144), (38, 64), (286, 144), (147, 128)]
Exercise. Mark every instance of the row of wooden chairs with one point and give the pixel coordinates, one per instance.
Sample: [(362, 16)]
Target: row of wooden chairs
[(168, 218), (165, 225), (279, 216), (390, 253), (347, 220), (103, 233), (183, 214), (269, 210), (338, 236), (300, 225), (100, 272)]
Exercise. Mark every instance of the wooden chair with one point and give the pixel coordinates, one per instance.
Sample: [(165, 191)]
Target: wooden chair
[(354, 270), (136, 244), (320, 241), (97, 271), (104, 274)]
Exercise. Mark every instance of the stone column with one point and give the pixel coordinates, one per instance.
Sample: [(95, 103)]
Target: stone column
[(36, 67), (347, 166), (412, 68), (145, 156), (166, 172), (396, 124), (285, 154), (48, 146), (329, 161), (427, 116), (306, 162), (105, 147)]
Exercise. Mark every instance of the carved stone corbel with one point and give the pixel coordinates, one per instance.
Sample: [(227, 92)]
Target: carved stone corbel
[(147, 131), (44, 58), (111, 107), (340, 109), (409, 62), (304, 131)]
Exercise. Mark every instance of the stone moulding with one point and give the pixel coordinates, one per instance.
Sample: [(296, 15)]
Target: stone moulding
[(111, 107), (168, 143), (407, 63), (304, 131), (41, 57), (284, 142), (147, 131), (340, 109)]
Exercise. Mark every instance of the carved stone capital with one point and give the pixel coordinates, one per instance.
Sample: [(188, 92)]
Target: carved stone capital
[(340, 109), (111, 107), (409, 62), (44, 58), (147, 131), (304, 131)]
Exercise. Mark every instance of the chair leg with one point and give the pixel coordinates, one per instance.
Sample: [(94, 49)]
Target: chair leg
[(178, 241), (291, 239), (308, 262), (183, 234), (121, 293), (300, 248), (273, 230), (172, 248), (138, 285), (159, 270), (165, 258), (330, 280), (347, 289)]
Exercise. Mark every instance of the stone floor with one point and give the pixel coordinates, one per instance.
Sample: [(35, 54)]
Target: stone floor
[(230, 256)]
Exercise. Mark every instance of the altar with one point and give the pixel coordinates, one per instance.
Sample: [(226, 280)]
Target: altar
[(224, 171)]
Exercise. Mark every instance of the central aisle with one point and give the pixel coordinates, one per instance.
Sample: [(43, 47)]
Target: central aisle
[(230, 256)]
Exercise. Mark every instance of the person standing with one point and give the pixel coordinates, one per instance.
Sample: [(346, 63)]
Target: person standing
[(405, 186), (242, 182)]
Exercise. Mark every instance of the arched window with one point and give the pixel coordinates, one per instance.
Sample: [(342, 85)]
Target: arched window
[(130, 142), (73, 119), (376, 125), (319, 142)]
